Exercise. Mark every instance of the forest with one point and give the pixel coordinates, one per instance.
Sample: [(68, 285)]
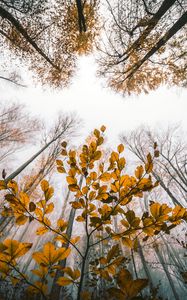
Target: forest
[(81, 216)]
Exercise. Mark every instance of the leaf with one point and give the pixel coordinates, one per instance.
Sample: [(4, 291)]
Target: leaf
[(120, 148), (103, 128), (76, 205), (97, 133), (139, 172), (71, 180), (62, 224), (61, 254), (49, 193), (32, 206), (136, 287), (114, 251), (49, 208), (3, 185), (75, 240), (64, 144), (105, 177), (80, 219), (123, 278), (156, 153), (24, 198), (61, 170), (21, 220), (63, 281), (130, 215), (155, 210), (114, 156), (44, 185), (41, 230), (63, 152), (16, 249), (127, 242), (73, 187), (121, 163), (97, 155)]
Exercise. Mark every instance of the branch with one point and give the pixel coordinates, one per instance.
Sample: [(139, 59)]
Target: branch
[(12, 81), (6, 15), (182, 21)]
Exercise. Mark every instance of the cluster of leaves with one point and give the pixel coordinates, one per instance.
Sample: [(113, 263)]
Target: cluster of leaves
[(146, 47), (104, 193), (48, 39)]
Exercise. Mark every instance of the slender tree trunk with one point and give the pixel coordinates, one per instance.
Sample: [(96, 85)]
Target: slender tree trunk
[(161, 259), (56, 289), (22, 167)]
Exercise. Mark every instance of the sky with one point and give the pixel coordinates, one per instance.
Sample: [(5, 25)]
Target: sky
[(97, 105)]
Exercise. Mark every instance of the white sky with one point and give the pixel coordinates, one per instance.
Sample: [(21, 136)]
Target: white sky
[(97, 105)]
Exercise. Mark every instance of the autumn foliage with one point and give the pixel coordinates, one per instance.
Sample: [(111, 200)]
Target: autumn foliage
[(104, 194)]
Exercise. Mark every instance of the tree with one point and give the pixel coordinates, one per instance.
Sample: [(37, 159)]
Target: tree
[(47, 38), (102, 195), (16, 129), (146, 47), (170, 166), (64, 127)]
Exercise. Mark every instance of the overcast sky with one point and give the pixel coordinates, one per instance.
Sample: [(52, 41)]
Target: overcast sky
[(97, 105)]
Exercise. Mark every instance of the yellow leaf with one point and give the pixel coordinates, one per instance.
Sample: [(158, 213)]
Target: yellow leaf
[(24, 198), (16, 249), (114, 251), (121, 163), (85, 190), (97, 155), (41, 230), (120, 148), (49, 208), (155, 210), (97, 133), (61, 254), (71, 180), (139, 172), (2, 185), (73, 187), (80, 219), (103, 128), (114, 156), (49, 193), (75, 240), (105, 177), (63, 281), (93, 176), (62, 224), (44, 185), (127, 242), (21, 220), (76, 274), (61, 169), (63, 152), (76, 205)]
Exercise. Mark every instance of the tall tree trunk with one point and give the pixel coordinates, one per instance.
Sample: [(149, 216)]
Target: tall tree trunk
[(161, 259), (55, 293)]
